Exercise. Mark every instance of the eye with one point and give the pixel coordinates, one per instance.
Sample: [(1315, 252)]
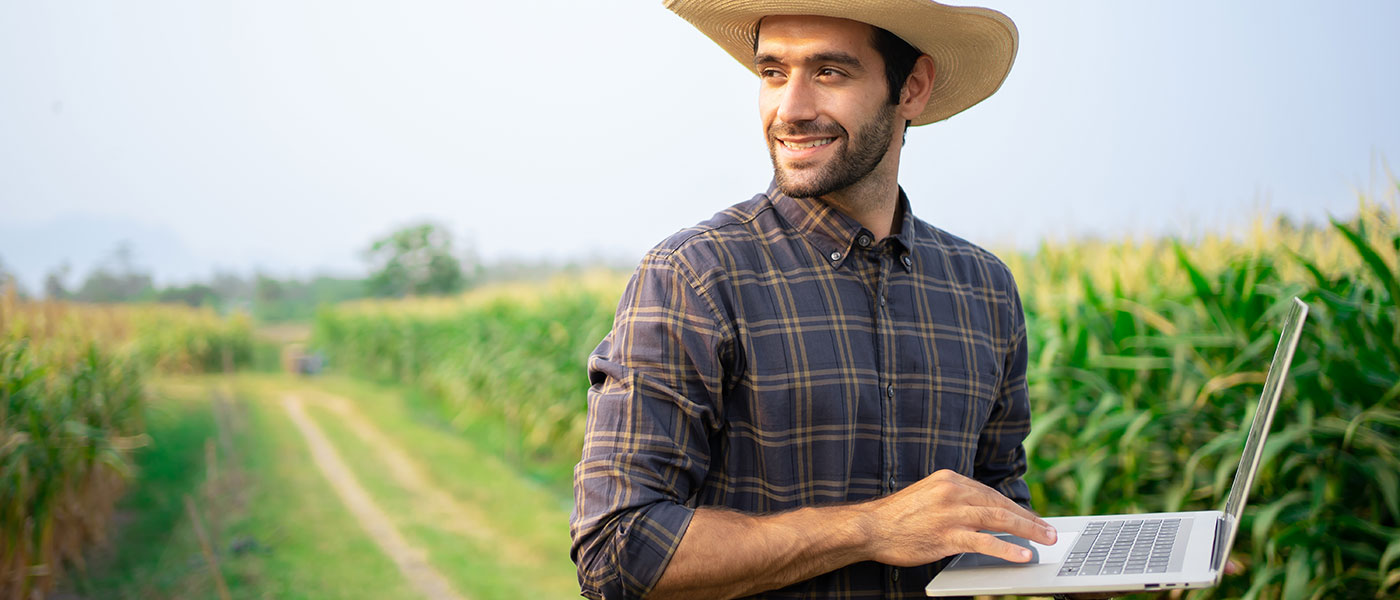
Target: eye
[(828, 72), (769, 73)]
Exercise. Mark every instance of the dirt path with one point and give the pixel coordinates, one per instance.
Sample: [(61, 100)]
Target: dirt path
[(447, 511), (411, 561)]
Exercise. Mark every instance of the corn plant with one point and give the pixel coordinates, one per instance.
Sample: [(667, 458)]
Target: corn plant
[(71, 405)]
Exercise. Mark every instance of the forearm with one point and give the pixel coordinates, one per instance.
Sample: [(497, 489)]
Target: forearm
[(726, 554)]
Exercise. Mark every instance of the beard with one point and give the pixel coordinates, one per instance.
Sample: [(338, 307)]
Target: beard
[(859, 156)]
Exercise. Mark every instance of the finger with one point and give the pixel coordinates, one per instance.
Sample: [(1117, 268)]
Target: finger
[(974, 493), (1233, 567), (1004, 520), (1021, 511), (981, 495), (991, 546)]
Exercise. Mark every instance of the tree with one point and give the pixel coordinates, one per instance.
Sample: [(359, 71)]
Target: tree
[(54, 288), (194, 294), (116, 280), (415, 260), (268, 290), (8, 282)]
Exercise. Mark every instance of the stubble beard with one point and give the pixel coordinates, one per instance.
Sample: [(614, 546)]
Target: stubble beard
[(855, 160)]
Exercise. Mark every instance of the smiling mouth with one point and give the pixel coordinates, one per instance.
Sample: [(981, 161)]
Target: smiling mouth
[(808, 144)]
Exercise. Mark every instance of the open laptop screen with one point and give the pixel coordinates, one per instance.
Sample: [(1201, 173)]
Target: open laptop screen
[(1263, 417)]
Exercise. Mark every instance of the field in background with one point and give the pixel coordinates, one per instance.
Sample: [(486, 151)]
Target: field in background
[(1147, 357)]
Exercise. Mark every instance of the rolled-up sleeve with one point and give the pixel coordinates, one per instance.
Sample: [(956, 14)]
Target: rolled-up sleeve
[(656, 388), (1001, 456)]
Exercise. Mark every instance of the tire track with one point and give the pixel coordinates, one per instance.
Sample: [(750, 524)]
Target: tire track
[(449, 513), (410, 560)]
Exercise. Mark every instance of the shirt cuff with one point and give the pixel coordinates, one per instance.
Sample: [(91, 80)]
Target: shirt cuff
[(647, 539)]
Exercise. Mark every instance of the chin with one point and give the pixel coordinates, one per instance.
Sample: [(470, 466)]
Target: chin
[(801, 187)]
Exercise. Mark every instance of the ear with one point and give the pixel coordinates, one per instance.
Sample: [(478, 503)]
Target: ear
[(917, 89)]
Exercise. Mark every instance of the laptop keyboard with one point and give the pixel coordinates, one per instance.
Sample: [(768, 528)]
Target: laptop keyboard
[(1123, 547)]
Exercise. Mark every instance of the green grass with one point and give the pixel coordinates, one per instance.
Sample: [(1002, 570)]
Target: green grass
[(153, 539), (304, 544), (530, 516), (315, 549), (488, 431)]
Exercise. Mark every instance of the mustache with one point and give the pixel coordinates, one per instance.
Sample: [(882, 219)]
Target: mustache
[(806, 128)]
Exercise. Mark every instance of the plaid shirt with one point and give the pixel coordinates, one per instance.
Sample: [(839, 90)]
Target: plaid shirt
[(778, 356)]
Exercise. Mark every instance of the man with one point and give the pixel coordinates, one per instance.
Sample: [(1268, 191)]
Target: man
[(815, 393)]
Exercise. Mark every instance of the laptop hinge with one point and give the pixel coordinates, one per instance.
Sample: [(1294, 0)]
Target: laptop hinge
[(1218, 544)]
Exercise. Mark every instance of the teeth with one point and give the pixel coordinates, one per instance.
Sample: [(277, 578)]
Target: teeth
[(811, 144)]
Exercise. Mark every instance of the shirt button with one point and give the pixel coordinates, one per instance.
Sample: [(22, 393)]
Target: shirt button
[(893, 483), (906, 260), (882, 300), (863, 240), (889, 390), (894, 574), (835, 255)]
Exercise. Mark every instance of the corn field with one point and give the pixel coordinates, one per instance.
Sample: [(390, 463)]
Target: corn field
[(1148, 360), (71, 406)]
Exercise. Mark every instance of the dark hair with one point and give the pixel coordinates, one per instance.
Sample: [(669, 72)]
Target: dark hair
[(899, 57)]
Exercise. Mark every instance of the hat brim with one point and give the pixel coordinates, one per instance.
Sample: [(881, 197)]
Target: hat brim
[(972, 48)]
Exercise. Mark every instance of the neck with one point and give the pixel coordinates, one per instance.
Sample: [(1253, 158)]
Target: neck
[(874, 200)]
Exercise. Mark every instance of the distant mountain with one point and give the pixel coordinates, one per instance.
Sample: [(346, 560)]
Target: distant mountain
[(30, 251)]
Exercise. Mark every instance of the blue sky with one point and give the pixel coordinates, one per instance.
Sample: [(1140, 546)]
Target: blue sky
[(286, 136)]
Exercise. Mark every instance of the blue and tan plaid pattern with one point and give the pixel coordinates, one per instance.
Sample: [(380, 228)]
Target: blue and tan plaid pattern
[(777, 356)]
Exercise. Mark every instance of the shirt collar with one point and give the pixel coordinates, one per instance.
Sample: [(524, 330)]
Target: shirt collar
[(833, 233)]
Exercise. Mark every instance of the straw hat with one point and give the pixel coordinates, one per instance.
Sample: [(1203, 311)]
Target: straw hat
[(972, 48)]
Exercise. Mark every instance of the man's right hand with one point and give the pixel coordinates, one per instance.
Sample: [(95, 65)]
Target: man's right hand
[(727, 554), (945, 514)]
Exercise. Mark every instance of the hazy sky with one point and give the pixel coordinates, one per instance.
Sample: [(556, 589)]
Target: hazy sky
[(287, 135)]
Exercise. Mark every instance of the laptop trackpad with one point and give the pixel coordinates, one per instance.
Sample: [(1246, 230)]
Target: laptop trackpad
[(1039, 553)]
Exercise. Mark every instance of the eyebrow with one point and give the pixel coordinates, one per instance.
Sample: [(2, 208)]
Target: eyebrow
[(841, 58)]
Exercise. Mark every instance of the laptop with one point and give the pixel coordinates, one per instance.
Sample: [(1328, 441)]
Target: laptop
[(1133, 552)]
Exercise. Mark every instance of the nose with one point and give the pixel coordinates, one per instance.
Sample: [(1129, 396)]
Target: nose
[(797, 101)]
